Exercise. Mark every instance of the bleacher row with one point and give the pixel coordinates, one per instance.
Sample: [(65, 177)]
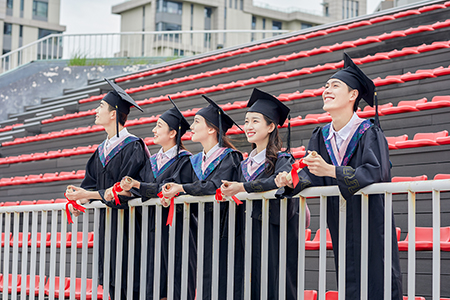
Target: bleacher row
[(423, 240), (47, 292), (264, 62), (399, 142)]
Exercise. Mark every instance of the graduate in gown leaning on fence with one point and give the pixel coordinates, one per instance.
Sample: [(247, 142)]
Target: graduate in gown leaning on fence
[(352, 153), (218, 160), (257, 174), (171, 164), (121, 154)]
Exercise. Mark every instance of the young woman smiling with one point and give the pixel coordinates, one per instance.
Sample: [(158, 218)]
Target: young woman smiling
[(257, 174)]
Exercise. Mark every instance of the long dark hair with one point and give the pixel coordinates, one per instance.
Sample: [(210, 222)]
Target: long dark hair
[(225, 140), (182, 147), (273, 147)]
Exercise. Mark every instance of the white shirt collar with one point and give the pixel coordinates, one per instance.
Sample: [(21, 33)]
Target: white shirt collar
[(258, 158), (112, 140), (345, 131), (169, 153), (210, 152)]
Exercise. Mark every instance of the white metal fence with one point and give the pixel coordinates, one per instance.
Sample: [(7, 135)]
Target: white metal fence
[(130, 44), (42, 259)]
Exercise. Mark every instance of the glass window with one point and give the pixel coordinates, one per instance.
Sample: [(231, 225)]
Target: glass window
[(231, 3), (21, 31), (253, 22), (45, 32), (235, 4), (40, 9), (9, 3), (7, 28), (306, 25), (22, 4), (170, 7), (242, 4), (276, 25)]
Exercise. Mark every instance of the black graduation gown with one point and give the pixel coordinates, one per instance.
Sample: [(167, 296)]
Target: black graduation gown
[(368, 164), (225, 167), (260, 181), (129, 158), (178, 170)]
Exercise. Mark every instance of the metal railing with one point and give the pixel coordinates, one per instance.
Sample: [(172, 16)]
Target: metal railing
[(129, 44), (16, 219)]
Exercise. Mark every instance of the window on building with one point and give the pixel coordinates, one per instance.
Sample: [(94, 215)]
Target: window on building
[(40, 10), (350, 8), (171, 7), (45, 32), (21, 31), (327, 13), (242, 4), (9, 7), (235, 4), (264, 27), (306, 25), (22, 4), (231, 3), (7, 28), (276, 25), (253, 27)]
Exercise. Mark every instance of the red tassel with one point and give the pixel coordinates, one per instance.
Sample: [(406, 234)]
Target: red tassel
[(219, 197), (117, 189), (298, 165), (75, 205)]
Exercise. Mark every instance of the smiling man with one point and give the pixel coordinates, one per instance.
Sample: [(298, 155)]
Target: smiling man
[(352, 153), (121, 154)]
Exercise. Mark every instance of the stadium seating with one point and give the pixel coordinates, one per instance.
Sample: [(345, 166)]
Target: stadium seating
[(424, 239)]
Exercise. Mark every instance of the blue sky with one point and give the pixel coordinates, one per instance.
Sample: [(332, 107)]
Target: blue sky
[(87, 16)]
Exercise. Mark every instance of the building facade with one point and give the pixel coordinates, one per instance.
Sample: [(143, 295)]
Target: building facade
[(25, 21), (180, 15)]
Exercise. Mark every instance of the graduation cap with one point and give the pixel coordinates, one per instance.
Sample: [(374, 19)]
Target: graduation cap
[(175, 119), (216, 116), (356, 79), (120, 100), (266, 104)]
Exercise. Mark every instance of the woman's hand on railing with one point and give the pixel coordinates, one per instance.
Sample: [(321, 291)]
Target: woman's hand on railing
[(231, 188), (283, 180), (169, 190)]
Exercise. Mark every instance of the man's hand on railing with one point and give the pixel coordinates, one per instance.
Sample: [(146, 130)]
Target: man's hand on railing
[(231, 188), (109, 196), (319, 167), (169, 190), (284, 179), (127, 183), (72, 193)]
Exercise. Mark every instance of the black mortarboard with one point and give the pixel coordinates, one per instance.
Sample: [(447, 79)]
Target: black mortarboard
[(175, 119), (356, 79), (120, 100), (266, 104), (216, 116)]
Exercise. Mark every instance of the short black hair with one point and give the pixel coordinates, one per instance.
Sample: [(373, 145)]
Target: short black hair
[(122, 116)]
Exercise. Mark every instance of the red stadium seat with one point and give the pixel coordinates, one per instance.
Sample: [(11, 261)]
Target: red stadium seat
[(11, 203), (310, 295), (403, 106), (37, 280), (391, 35), (405, 179), (9, 282), (369, 112), (436, 102), (315, 243), (298, 152), (382, 19), (331, 295), (38, 239), (410, 12), (45, 201), (20, 239), (431, 7), (441, 176), (424, 239), (66, 287), (415, 298), (28, 202), (3, 237), (393, 139), (422, 139)]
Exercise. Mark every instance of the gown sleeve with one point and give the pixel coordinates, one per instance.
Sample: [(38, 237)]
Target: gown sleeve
[(226, 170), (89, 182), (181, 174), (135, 163), (375, 165), (283, 163)]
